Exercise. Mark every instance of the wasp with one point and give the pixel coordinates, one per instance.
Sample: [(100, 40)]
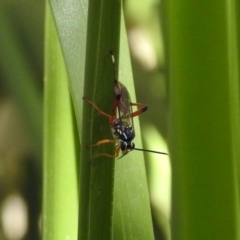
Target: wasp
[(120, 120)]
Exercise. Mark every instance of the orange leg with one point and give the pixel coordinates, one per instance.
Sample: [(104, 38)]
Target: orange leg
[(139, 111), (108, 155), (104, 141), (103, 155), (98, 109), (117, 149)]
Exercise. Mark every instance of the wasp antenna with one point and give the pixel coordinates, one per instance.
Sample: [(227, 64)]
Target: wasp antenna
[(151, 151), (123, 155), (112, 56), (113, 66)]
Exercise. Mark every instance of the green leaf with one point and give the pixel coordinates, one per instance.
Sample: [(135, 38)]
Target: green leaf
[(96, 176), (60, 202), (132, 216), (204, 83), (71, 23)]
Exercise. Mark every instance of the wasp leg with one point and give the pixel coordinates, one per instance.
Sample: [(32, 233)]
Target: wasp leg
[(98, 109), (143, 109), (107, 155), (117, 149), (103, 155), (104, 141)]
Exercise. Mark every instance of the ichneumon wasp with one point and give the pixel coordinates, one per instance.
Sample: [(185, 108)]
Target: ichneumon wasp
[(121, 120)]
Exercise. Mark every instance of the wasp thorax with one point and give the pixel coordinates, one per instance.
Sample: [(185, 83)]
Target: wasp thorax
[(123, 131)]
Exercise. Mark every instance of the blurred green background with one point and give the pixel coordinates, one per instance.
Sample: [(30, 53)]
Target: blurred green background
[(21, 114)]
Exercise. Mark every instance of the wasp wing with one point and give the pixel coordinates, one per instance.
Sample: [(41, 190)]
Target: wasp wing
[(124, 106)]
